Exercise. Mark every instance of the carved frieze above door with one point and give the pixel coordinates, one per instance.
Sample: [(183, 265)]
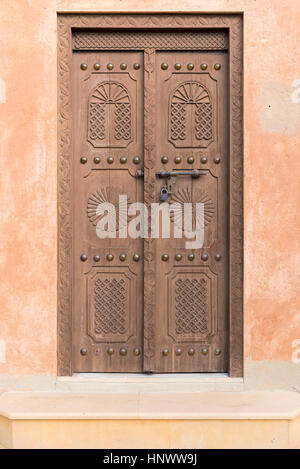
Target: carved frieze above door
[(153, 115)]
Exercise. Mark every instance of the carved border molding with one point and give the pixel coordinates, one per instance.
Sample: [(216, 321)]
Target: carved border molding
[(68, 22), (149, 198)]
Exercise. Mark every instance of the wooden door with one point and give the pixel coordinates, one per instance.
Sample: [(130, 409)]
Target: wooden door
[(108, 273), (192, 284), (150, 304)]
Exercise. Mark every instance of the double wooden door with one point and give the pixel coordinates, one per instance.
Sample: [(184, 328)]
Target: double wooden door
[(152, 303)]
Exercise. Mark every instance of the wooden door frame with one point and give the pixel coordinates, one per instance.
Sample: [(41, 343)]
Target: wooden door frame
[(233, 24)]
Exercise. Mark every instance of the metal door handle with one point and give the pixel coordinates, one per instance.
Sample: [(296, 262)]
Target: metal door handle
[(195, 173), (166, 174), (171, 176)]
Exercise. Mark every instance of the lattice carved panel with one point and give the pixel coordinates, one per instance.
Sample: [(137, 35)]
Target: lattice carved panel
[(205, 40), (109, 305), (191, 297), (203, 121), (191, 306)]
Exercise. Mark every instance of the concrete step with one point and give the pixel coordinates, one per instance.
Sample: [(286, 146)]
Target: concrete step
[(150, 420)]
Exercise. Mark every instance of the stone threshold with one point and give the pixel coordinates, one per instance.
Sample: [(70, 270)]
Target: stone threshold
[(122, 382), (130, 382), (257, 405), (151, 377)]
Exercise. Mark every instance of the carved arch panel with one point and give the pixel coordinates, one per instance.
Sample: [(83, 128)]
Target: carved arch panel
[(190, 115), (109, 115)]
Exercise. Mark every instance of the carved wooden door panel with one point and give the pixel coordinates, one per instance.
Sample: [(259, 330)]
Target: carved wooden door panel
[(108, 273), (191, 322), (155, 304)]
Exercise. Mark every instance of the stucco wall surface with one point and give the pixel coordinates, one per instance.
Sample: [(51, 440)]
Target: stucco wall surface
[(28, 159)]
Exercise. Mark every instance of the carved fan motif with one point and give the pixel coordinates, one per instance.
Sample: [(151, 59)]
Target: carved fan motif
[(191, 93), (184, 196), (110, 92), (107, 195)]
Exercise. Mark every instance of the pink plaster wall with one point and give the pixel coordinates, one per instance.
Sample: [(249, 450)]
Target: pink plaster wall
[(28, 159)]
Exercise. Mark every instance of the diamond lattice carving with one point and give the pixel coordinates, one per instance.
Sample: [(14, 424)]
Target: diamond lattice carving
[(178, 121), (110, 306), (191, 308), (216, 40), (123, 121), (203, 121), (96, 121)]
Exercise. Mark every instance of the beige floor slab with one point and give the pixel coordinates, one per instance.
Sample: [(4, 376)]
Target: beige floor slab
[(194, 406), (221, 405), (54, 405)]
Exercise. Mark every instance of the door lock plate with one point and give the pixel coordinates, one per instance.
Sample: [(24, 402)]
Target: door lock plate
[(163, 193)]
